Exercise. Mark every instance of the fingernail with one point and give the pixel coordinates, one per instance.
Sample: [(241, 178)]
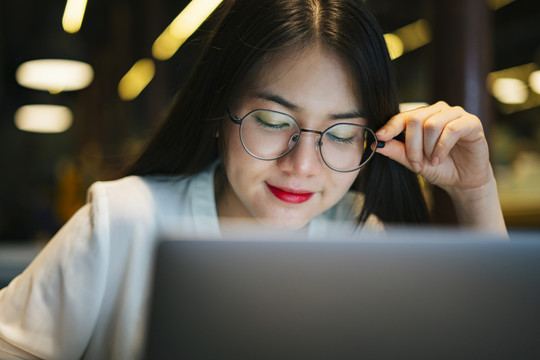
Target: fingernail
[(435, 160), (381, 132), (416, 166)]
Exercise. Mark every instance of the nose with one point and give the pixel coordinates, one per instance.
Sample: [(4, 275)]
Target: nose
[(304, 159)]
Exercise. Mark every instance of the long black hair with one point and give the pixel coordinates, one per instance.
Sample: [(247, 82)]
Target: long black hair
[(246, 32)]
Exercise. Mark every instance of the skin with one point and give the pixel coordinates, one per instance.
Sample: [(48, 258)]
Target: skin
[(314, 87), (444, 144), (448, 147)]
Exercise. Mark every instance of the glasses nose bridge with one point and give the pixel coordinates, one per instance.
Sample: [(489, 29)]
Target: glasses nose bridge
[(320, 133)]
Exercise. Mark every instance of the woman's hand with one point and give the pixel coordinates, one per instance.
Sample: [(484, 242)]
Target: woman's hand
[(447, 146)]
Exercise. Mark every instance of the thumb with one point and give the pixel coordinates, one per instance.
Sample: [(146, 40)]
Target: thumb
[(395, 150)]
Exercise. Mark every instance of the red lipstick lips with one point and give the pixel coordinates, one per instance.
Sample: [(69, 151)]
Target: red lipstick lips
[(290, 197)]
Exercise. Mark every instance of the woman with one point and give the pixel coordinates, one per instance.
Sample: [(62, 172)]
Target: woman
[(275, 127)]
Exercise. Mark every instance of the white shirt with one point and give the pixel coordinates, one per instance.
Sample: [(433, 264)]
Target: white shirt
[(86, 294)]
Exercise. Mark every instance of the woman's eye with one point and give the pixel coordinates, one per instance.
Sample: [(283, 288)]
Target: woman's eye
[(340, 139), (274, 124)]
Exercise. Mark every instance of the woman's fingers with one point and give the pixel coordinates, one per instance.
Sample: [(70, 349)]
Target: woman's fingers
[(465, 128), (430, 134), (397, 123), (419, 140), (414, 140), (395, 150), (445, 144), (434, 127)]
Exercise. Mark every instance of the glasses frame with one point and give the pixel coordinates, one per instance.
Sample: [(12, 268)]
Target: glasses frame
[(239, 121)]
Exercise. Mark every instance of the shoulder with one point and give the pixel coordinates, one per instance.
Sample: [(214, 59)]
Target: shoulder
[(136, 187), (133, 189), (133, 199), (147, 190), (156, 203)]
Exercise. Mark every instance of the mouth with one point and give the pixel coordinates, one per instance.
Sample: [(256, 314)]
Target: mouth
[(289, 196)]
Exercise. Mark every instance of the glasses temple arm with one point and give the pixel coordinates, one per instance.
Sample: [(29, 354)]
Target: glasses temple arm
[(233, 118)]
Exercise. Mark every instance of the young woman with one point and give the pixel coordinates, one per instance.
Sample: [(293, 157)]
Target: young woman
[(276, 126)]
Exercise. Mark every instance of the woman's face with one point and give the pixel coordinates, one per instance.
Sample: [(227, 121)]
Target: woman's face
[(315, 88)]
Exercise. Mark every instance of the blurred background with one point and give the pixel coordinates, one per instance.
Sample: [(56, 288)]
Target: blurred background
[(128, 60)]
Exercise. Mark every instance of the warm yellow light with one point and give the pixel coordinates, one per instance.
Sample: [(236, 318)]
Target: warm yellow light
[(497, 4), (515, 87), (182, 27), (165, 46), (73, 15), (136, 79), (534, 81), (510, 90), (54, 75), (43, 118), (415, 35), (408, 38), (394, 44)]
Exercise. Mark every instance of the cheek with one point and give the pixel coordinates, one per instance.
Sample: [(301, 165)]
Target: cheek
[(341, 183), (241, 168), (232, 146)]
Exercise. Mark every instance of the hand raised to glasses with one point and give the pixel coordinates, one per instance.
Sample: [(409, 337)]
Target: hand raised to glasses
[(445, 144)]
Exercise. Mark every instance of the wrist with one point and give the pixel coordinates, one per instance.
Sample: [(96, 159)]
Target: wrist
[(473, 195), (479, 207)]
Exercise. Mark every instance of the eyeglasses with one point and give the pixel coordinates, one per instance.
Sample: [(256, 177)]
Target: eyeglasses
[(270, 135)]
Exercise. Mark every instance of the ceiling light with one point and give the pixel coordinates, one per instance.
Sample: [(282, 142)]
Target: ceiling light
[(497, 4), (414, 35), (43, 118), (510, 90), (394, 44), (182, 27), (534, 81), (55, 75), (521, 72), (73, 15), (136, 79)]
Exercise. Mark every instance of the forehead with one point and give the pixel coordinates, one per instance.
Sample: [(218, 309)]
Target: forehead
[(312, 77)]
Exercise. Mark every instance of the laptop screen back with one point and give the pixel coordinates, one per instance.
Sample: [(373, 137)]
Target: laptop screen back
[(345, 300)]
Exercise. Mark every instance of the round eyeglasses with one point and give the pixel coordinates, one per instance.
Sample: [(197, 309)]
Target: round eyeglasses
[(270, 135)]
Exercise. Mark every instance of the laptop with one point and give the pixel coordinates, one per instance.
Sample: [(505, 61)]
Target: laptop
[(410, 294)]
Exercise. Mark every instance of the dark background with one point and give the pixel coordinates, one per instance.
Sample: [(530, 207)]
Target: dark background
[(44, 177)]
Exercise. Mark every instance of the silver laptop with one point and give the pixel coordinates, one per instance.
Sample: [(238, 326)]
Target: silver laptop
[(407, 294)]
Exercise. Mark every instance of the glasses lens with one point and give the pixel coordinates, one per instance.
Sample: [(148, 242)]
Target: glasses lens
[(267, 134), (347, 147)]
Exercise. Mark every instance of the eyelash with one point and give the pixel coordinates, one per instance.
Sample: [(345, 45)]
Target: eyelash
[(340, 140), (261, 122)]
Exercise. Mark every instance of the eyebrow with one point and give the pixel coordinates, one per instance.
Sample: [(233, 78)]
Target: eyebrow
[(285, 103)]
